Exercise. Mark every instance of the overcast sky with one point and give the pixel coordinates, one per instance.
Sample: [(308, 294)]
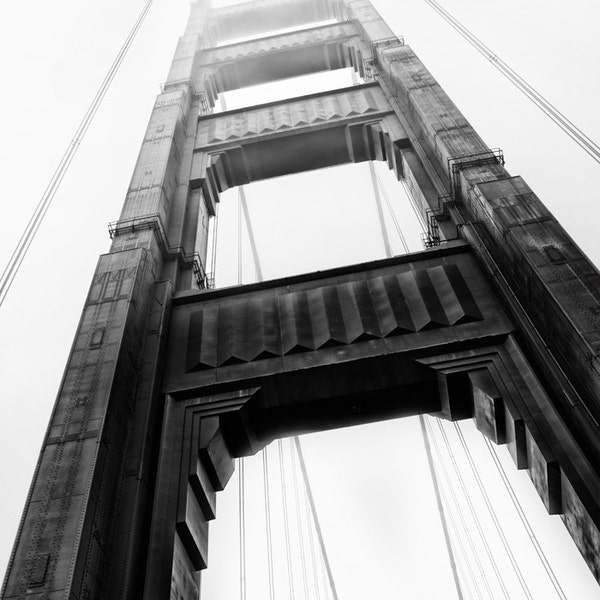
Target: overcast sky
[(371, 486)]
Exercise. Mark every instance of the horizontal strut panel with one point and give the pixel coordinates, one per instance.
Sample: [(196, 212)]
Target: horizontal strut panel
[(278, 57), (278, 43), (291, 115), (321, 130), (398, 305)]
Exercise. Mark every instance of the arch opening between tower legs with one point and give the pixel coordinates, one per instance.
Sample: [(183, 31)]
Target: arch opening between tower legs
[(421, 333), (321, 130)]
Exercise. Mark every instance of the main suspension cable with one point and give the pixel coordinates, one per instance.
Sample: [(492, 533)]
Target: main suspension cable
[(579, 137), (20, 252)]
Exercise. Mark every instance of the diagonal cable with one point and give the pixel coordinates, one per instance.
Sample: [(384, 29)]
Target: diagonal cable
[(576, 134), (492, 512), (440, 505), (524, 520), (286, 522), (393, 215), (316, 522), (461, 515), (299, 523), (20, 252), (242, 523), (265, 461)]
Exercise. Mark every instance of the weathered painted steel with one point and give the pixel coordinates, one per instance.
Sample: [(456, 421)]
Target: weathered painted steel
[(166, 383)]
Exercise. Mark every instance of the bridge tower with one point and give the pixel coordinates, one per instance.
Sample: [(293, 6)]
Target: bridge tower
[(167, 381)]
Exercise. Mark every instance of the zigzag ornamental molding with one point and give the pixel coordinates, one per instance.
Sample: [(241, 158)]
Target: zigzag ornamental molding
[(273, 325), (313, 36), (294, 114)]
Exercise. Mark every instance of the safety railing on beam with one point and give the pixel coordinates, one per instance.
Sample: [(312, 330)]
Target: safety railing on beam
[(154, 223), (456, 164)]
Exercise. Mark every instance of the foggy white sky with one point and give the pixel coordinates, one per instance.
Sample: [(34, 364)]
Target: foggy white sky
[(53, 56)]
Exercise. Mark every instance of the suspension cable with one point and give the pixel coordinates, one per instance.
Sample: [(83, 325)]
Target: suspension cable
[(459, 511), (524, 519), (377, 185), (413, 203), (215, 231), (242, 521), (393, 215), (469, 569), (325, 579), (313, 555), (265, 464), (492, 512), (299, 522), (239, 238), (578, 136), (440, 506), (20, 252), (384, 234), (286, 521), (313, 509), (253, 248)]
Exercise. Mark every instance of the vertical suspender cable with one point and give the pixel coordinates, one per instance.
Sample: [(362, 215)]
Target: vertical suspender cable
[(465, 569), (325, 579), (14, 263), (213, 245), (239, 240), (413, 203), (286, 522), (315, 517), (242, 520), (459, 512), (384, 233), (299, 523), (244, 203), (490, 507), (265, 461), (473, 514), (525, 521), (376, 183), (313, 555), (393, 215), (242, 490), (243, 209), (440, 506)]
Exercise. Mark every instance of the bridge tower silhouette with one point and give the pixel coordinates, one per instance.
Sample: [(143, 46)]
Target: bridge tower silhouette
[(168, 381)]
